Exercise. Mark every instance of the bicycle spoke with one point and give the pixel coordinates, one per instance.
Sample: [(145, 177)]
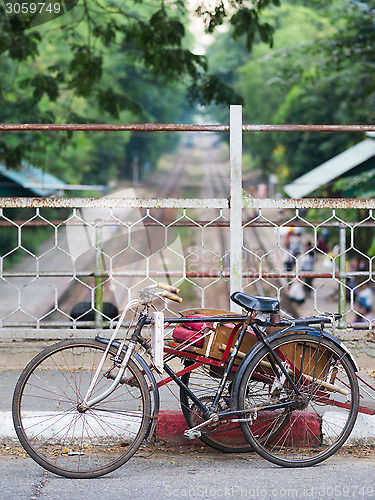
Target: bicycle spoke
[(319, 418), (60, 437)]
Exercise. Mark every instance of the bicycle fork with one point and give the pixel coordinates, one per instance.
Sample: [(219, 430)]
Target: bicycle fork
[(86, 404)]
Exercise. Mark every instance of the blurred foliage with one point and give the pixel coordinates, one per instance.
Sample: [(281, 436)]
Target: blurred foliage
[(133, 61), (320, 70), (358, 186), (109, 60)]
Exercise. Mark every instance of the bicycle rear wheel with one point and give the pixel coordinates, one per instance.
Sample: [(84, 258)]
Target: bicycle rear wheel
[(323, 418), (59, 437), (225, 436)]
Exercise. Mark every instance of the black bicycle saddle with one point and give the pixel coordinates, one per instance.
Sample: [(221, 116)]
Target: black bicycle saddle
[(249, 302)]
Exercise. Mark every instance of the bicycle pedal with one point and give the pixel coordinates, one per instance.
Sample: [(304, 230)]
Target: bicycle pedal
[(192, 434)]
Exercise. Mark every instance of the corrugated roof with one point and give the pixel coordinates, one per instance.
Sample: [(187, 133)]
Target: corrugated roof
[(34, 179), (331, 169)]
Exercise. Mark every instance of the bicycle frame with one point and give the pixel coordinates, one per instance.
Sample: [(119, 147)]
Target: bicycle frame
[(209, 414), (137, 338)]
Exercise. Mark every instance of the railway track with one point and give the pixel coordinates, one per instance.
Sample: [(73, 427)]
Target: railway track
[(166, 186), (218, 181), (215, 184)]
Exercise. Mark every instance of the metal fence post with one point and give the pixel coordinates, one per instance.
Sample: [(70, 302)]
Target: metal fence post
[(98, 291), (236, 202), (342, 277)]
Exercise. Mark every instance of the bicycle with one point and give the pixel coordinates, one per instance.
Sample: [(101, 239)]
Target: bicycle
[(82, 408)]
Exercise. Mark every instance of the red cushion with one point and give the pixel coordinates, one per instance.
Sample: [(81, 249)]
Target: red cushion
[(196, 326), (182, 334)]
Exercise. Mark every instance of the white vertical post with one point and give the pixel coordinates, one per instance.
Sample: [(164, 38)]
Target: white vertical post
[(342, 277), (236, 203), (98, 291)]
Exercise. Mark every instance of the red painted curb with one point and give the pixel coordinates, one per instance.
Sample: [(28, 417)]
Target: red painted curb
[(172, 424)]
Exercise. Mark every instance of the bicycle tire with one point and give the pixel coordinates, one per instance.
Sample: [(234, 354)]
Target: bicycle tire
[(225, 437), (313, 432), (60, 438)]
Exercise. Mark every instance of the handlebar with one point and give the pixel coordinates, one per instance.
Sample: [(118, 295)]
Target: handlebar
[(172, 296), (149, 293), (169, 288)]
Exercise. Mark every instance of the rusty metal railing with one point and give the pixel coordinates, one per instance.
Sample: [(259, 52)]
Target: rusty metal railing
[(252, 254), (199, 262), (176, 127)]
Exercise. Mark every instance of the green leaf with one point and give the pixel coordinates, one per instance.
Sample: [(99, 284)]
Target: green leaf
[(86, 70), (23, 46), (44, 84), (212, 89)]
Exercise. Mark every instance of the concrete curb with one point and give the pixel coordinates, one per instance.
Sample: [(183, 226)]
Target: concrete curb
[(171, 426)]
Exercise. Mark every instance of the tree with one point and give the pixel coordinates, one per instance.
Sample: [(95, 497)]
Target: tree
[(328, 80), (271, 78), (319, 70), (61, 70)]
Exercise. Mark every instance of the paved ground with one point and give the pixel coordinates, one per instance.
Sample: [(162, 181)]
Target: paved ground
[(194, 473)]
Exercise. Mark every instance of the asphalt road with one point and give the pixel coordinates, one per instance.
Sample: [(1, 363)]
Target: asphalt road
[(159, 473)]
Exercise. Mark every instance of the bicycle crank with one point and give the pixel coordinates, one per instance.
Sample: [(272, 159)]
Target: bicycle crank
[(195, 432)]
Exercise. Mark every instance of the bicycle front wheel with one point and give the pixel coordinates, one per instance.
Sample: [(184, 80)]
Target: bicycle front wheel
[(312, 425), (59, 437)]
